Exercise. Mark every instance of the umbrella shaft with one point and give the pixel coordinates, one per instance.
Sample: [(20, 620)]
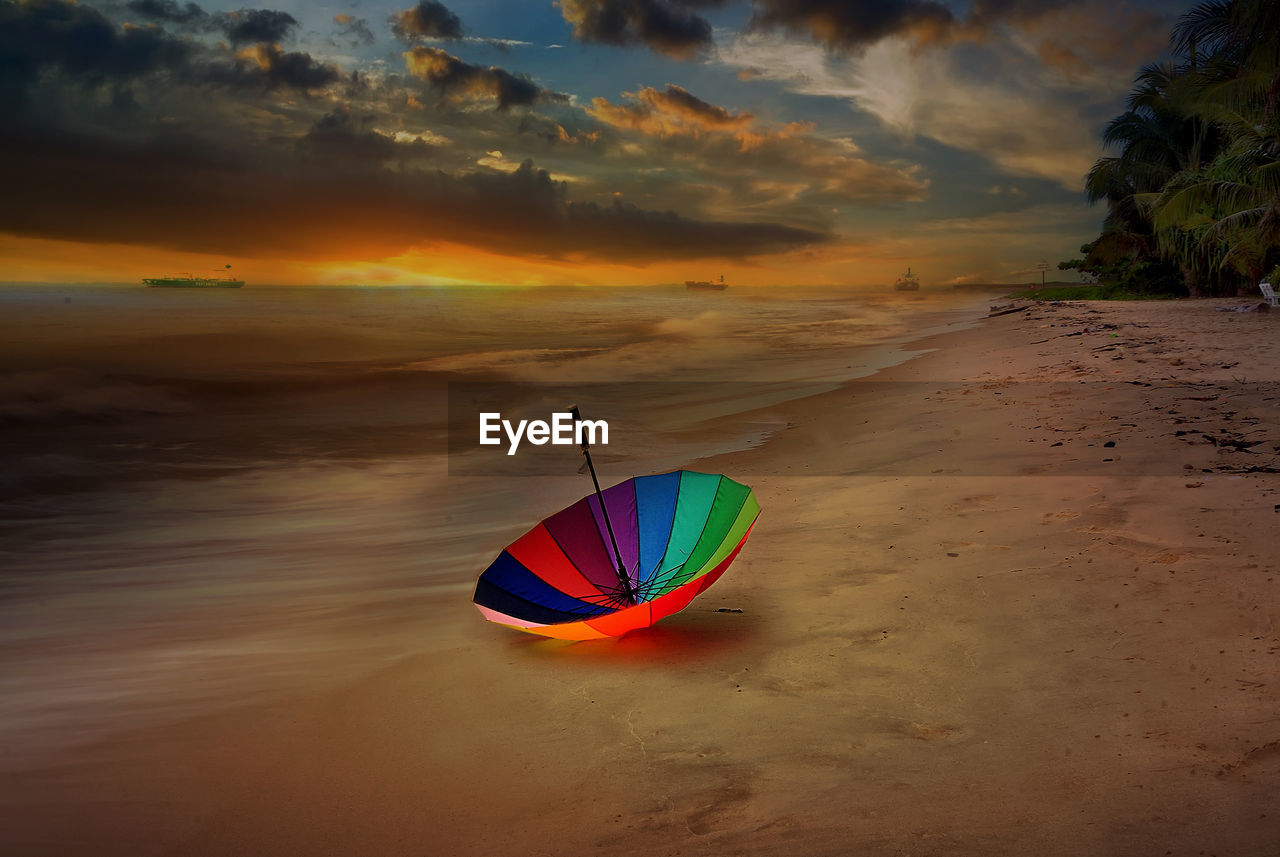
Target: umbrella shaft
[(617, 554)]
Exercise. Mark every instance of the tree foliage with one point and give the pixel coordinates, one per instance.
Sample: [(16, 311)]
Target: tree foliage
[(1193, 189)]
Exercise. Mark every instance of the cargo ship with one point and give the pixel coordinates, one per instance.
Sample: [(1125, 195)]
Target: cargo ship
[(188, 281), (908, 282), (707, 285)]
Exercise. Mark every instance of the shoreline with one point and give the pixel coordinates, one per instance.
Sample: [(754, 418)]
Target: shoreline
[(190, 538), (961, 664)]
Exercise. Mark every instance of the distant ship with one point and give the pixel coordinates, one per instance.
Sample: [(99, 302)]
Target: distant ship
[(908, 282), (706, 285), (187, 281)]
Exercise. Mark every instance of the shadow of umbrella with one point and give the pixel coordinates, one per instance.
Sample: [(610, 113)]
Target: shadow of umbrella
[(690, 637)]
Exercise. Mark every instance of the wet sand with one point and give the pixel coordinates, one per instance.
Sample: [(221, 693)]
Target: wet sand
[(961, 638)]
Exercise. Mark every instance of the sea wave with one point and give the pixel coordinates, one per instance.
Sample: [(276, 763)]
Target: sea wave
[(711, 323), (501, 361), (57, 395)]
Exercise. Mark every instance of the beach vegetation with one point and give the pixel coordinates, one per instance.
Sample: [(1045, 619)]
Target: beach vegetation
[(1192, 186)]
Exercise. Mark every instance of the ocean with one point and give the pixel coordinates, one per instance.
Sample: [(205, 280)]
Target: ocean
[(210, 498)]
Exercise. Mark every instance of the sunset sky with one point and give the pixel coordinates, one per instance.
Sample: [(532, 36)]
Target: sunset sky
[(585, 141)]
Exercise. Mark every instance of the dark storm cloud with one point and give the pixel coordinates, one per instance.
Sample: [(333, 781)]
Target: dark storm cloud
[(197, 194), (168, 11), (79, 41), (257, 25), (454, 78), (674, 27), (856, 24), (243, 27), (88, 50), (342, 137), (430, 19), (268, 66), (852, 24), (669, 27), (631, 232)]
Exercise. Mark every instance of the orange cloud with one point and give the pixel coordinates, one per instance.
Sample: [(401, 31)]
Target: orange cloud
[(663, 113), (742, 164)]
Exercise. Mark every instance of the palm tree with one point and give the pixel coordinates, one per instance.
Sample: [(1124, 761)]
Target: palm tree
[(1226, 212), (1242, 40), (1197, 177), (1157, 138)]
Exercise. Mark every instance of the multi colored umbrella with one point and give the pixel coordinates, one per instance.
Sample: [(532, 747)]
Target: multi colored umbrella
[(593, 570)]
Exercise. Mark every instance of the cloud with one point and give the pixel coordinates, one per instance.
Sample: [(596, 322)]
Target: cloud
[(194, 145), (341, 137), (553, 135), (355, 29), (199, 149), (79, 41), (666, 26), (786, 172), (248, 26), (89, 51), (997, 101), (241, 27), (734, 162), (430, 19), (671, 111), (855, 24), (168, 10), (1069, 42), (1018, 121), (988, 12), (261, 200), (631, 232), (456, 78), (674, 27), (1035, 222), (269, 66)]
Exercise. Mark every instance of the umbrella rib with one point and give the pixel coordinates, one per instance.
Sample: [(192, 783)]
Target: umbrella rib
[(659, 585), (702, 533), (607, 593)]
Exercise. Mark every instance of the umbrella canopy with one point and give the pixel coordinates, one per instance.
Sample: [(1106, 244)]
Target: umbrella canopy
[(675, 534)]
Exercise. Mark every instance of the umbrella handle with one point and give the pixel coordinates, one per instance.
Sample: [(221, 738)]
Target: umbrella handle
[(623, 578)]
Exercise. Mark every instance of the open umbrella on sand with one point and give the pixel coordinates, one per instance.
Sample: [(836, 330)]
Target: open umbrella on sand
[(619, 559)]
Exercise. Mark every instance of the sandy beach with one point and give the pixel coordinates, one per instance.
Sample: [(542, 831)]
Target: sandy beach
[(1028, 605)]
